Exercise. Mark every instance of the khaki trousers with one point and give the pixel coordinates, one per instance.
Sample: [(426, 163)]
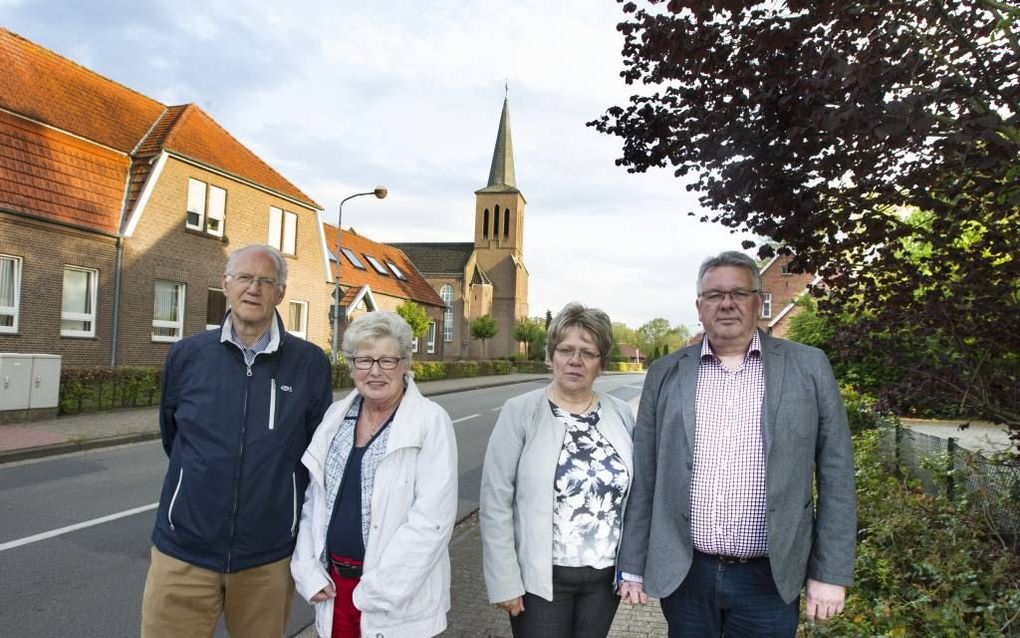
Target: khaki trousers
[(185, 601)]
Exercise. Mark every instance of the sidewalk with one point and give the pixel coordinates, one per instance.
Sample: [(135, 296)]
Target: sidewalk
[(131, 425)]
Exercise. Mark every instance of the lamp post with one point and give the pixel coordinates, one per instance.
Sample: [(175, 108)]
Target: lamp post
[(380, 192)]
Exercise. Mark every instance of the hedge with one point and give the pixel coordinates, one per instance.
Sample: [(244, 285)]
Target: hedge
[(624, 366), (92, 389)]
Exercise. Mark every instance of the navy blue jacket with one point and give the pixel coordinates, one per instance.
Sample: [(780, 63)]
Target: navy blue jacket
[(233, 492)]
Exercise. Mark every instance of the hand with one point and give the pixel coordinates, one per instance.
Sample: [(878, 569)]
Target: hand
[(513, 606), (325, 593), (632, 592), (824, 600)]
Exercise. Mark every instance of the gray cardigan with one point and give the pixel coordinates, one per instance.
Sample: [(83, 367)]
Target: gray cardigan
[(807, 446), (517, 490)]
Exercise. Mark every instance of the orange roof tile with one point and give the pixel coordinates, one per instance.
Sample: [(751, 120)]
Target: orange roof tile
[(54, 175), (415, 287), (44, 86)]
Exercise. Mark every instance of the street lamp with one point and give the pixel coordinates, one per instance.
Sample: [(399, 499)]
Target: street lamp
[(380, 192)]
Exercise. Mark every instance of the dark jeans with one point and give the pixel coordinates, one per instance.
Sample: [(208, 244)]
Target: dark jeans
[(583, 606), (729, 599)]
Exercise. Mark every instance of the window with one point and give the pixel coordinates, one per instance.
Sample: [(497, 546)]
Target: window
[(430, 343), (785, 270), (414, 344), (446, 293), (78, 309), (495, 222), (297, 318), (215, 308), (168, 311), (506, 222), (375, 264), (283, 230), (217, 211), (196, 205), (351, 257), (10, 292), (485, 224), (206, 216), (396, 271), (766, 306)]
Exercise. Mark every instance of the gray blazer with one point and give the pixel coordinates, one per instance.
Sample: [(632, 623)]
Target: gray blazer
[(807, 444), (517, 491)]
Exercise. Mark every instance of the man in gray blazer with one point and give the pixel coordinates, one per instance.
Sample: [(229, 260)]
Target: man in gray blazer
[(734, 438)]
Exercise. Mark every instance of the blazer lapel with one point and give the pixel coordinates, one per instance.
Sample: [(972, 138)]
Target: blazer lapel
[(689, 391), (774, 365)]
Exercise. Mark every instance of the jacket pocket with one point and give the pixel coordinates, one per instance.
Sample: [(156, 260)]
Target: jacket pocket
[(272, 403), (173, 500)]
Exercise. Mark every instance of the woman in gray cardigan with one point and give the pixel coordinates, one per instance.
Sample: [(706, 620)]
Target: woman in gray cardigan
[(554, 487)]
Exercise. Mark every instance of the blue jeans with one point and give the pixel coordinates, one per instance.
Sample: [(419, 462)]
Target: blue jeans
[(732, 599), (583, 606)]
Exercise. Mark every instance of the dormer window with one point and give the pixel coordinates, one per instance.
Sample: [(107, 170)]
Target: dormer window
[(207, 208)]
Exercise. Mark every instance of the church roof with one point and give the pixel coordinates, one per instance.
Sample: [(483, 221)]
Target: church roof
[(501, 172), (434, 258), (479, 276)]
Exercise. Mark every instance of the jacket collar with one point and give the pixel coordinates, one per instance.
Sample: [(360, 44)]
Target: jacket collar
[(276, 332)]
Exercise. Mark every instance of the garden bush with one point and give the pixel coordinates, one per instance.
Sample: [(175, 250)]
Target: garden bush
[(101, 388)]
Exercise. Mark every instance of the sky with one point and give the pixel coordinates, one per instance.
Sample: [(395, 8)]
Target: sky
[(343, 96)]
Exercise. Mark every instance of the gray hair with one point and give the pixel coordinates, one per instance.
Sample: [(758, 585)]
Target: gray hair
[(374, 326), (731, 258), (274, 254), (592, 320)]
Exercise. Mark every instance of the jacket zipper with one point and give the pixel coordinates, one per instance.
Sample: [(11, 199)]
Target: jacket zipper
[(237, 473), (173, 499), (272, 403), (294, 520)]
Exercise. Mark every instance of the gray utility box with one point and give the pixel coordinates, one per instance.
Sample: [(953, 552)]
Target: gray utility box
[(29, 386)]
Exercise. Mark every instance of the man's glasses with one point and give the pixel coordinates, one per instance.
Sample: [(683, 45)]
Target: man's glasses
[(246, 280), (366, 363), (739, 295), (567, 354)]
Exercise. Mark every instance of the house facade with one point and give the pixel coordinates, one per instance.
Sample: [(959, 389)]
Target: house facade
[(117, 214), (781, 288), (486, 276)]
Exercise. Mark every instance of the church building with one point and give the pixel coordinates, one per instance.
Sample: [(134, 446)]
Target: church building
[(485, 276)]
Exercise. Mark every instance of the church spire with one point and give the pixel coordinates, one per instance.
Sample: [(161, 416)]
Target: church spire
[(501, 173)]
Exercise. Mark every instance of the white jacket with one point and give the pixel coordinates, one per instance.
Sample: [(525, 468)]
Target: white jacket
[(405, 589), (517, 497)]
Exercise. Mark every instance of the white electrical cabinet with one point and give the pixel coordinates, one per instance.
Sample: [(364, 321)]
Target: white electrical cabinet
[(29, 381)]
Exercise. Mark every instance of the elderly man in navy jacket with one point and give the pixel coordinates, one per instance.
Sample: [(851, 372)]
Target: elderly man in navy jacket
[(743, 487), (239, 407)]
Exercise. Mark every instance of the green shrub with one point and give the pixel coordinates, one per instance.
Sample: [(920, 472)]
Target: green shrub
[(623, 366), (101, 388), (925, 567), (461, 369), (531, 367), (860, 409), (428, 370)]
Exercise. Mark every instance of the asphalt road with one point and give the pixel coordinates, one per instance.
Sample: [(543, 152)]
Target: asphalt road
[(74, 530)]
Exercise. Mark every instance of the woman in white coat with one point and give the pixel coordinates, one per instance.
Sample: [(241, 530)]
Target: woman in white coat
[(381, 503), (554, 488)]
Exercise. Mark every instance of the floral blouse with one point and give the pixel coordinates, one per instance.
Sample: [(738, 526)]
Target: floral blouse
[(591, 481)]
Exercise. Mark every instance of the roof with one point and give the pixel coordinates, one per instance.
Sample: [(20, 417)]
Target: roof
[(58, 177), (414, 287), (86, 132), (501, 171), (449, 258)]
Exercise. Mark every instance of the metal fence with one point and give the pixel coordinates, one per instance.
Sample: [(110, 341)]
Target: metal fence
[(991, 484)]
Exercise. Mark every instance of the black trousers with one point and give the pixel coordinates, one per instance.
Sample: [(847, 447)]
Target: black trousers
[(583, 606)]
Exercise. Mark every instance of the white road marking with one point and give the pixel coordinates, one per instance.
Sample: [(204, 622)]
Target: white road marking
[(71, 528), (465, 418)]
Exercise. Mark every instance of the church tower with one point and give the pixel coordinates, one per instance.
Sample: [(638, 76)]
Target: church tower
[(499, 240)]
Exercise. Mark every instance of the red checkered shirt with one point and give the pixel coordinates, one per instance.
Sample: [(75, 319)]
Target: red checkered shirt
[(728, 483)]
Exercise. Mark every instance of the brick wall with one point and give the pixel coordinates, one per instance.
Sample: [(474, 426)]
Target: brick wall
[(45, 249), (784, 288), (161, 248)]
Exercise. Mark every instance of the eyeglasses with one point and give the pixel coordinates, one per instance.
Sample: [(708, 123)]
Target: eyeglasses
[(739, 295), (568, 353), (366, 363), (245, 280)]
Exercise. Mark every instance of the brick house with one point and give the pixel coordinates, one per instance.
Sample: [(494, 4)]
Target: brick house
[(117, 214), (376, 276), (780, 290)]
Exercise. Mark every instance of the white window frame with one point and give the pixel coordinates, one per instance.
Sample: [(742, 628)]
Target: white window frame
[(211, 326), (430, 343), (216, 210), (161, 323), (766, 305), (88, 317), (289, 241), (12, 311), (446, 294), (415, 344), (275, 227), (304, 318), (196, 204)]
